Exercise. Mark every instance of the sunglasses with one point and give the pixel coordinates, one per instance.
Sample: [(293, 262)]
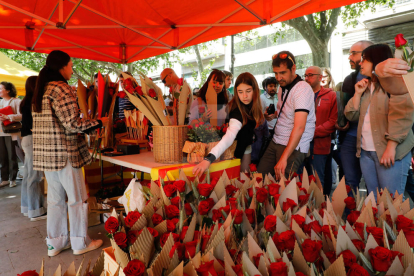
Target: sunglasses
[(283, 56), (163, 80), (310, 75)]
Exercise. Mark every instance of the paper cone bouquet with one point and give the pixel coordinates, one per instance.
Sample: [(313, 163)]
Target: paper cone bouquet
[(254, 226)]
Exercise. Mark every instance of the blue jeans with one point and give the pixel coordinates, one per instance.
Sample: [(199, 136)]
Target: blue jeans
[(68, 181), (350, 163), (319, 165), (379, 177), (32, 199)]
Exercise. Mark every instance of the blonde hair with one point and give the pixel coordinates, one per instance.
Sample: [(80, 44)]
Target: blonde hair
[(331, 83)]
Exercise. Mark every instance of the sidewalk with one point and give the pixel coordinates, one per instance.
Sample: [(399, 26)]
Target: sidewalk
[(22, 242)]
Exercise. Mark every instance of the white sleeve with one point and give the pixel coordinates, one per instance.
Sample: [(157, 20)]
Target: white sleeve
[(228, 138)]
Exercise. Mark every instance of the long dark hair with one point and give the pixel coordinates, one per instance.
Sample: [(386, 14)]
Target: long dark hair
[(30, 87), (377, 53), (218, 76), (248, 113), (55, 61)]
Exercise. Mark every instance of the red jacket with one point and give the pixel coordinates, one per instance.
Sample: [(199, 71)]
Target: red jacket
[(326, 111)]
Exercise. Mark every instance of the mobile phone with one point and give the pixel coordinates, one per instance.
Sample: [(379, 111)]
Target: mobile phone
[(271, 109)]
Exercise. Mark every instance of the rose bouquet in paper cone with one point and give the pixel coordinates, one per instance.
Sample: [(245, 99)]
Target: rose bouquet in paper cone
[(404, 52), (255, 226)]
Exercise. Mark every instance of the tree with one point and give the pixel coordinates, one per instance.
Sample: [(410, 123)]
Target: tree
[(85, 69), (317, 28)]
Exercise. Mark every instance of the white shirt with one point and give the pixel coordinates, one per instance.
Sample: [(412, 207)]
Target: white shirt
[(228, 138), (367, 140), (300, 98), (267, 100)]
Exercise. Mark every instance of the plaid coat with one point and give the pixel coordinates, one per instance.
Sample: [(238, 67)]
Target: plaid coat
[(56, 129)]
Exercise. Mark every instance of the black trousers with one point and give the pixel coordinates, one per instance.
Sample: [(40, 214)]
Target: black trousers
[(8, 159)]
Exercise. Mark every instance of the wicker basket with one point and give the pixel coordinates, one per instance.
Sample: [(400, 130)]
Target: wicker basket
[(168, 143), (229, 152)]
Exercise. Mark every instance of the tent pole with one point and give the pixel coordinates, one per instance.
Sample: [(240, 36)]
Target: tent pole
[(288, 10), (12, 43), (43, 29), (208, 28), (71, 13), (262, 20), (139, 51)]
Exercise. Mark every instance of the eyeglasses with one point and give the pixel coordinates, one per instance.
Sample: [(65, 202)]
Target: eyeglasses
[(283, 56), (163, 80), (310, 75), (353, 53)]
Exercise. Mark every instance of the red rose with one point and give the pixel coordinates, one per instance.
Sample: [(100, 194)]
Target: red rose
[(270, 223), (111, 225), (377, 233), (299, 274), (348, 189), (165, 236), (350, 203), (177, 246), (171, 225), (232, 202), (170, 190), (286, 240), (400, 41), (135, 268), (259, 179), (256, 259), (156, 219), (152, 231), (131, 218), (299, 184), (276, 198), (225, 209), (138, 90), (190, 249), (409, 235), (180, 81), (360, 245), (175, 201), (403, 222), (273, 189), (253, 167), (214, 181), (357, 270), (201, 109), (216, 215), (29, 273), (207, 269), (327, 232), (374, 211), (237, 215), (311, 178), (189, 127), (188, 210), (180, 184), (278, 269), (382, 258), (152, 93), (224, 129), (303, 199), (121, 239), (206, 238), (261, 194), (230, 190), (299, 220), (132, 236), (250, 192), (349, 258), (238, 270), (204, 207), (331, 255), (353, 216), (311, 250), (288, 204), (205, 189), (183, 232), (122, 94), (359, 228), (323, 205), (172, 211), (250, 213), (312, 225)]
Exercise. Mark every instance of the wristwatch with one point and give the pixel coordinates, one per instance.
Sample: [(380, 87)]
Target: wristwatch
[(210, 157)]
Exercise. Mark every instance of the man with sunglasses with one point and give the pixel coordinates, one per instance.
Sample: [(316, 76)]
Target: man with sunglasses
[(326, 111), (348, 134), (295, 125)]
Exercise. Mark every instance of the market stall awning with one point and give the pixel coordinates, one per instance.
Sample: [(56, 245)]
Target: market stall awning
[(15, 73), (130, 30)]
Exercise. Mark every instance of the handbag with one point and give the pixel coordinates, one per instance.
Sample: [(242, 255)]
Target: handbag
[(7, 125), (267, 139)]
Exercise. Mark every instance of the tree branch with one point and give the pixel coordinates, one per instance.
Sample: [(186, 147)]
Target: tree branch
[(79, 76), (311, 22), (322, 29), (333, 21)]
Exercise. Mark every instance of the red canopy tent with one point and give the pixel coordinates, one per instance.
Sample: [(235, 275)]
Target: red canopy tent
[(130, 30)]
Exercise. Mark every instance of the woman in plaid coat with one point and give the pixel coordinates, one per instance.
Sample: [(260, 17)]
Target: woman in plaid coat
[(59, 149)]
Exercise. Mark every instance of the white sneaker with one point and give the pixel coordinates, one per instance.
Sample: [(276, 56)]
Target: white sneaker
[(25, 214), (13, 184), (4, 183), (44, 216), (51, 252), (95, 244)]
